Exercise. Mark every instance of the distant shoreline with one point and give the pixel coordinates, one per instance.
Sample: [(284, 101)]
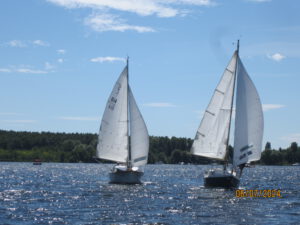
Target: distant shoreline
[(23, 146)]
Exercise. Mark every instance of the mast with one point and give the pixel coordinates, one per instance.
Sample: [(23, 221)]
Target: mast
[(128, 123), (231, 108)]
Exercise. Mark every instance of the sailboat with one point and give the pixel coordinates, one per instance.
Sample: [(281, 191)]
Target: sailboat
[(123, 136), (212, 137)]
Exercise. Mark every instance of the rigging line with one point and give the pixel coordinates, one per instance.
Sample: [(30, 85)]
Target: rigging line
[(128, 112), (235, 75)]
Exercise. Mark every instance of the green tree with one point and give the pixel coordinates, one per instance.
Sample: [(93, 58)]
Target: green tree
[(294, 146), (268, 146), (176, 156)]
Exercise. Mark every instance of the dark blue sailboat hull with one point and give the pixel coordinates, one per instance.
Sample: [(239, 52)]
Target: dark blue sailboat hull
[(125, 177), (225, 181)]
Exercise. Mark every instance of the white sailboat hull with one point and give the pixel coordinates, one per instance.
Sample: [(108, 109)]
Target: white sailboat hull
[(221, 179), (125, 177)]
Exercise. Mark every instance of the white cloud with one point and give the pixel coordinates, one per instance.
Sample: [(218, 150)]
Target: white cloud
[(107, 59), (276, 57), (23, 44), (291, 137), (161, 8), (41, 43), (290, 49), (5, 70), (107, 22), (49, 66), (141, 7), (60, 60), (22, 70), (267, 107), (26, 70), (61, 51), (160, 104), (16, 43), (101, 22), (80, 118)]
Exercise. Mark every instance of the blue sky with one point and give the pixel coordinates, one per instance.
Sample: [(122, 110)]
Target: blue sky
[(61, 58)]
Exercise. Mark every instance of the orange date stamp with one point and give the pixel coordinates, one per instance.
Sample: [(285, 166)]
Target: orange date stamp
[(263, 193)]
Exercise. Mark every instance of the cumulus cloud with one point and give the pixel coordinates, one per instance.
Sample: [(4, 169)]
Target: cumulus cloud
[(41, 43), (32, 71), (16, 43), (267, 107), (22, 70), (276, 57), (61, 51), (60, 60), (160, 104), (49, 66), (27, 69), (104, 21), (107, 22), (107, 59), (23, 44), (141, 7)]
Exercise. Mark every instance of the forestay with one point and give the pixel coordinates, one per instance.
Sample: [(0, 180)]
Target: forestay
[(248, 120), (139, 139), (113, 134), (211, 137)]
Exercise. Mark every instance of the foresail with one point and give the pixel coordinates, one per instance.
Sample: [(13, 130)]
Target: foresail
[(212, 134), (113, 134), (249, 122), (139, 139)]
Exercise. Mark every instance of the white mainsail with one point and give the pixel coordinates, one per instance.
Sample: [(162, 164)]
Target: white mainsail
[(113, 134), (139, 139), (249, 122), (211, 137)]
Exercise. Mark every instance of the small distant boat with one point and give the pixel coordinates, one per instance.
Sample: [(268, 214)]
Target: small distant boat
[(212, 137), (37, 162), (123, 135), (296, 164)]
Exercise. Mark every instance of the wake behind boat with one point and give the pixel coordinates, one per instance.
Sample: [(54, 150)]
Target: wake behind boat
[(123, 135), (212, 137)]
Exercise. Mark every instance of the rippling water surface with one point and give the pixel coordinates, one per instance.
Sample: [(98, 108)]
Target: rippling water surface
[(170, 194)]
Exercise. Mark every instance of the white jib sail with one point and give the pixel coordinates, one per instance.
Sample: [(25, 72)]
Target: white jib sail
[(139, 139), (212, 134), (113, 134), (249, 122)]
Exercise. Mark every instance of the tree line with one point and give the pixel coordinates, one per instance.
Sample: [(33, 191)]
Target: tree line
[(16, 146)]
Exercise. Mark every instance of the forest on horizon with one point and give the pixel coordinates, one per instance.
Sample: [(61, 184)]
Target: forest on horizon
[(21, 146)]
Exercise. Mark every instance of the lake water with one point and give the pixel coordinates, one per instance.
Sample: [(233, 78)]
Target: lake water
[(57, 193)]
